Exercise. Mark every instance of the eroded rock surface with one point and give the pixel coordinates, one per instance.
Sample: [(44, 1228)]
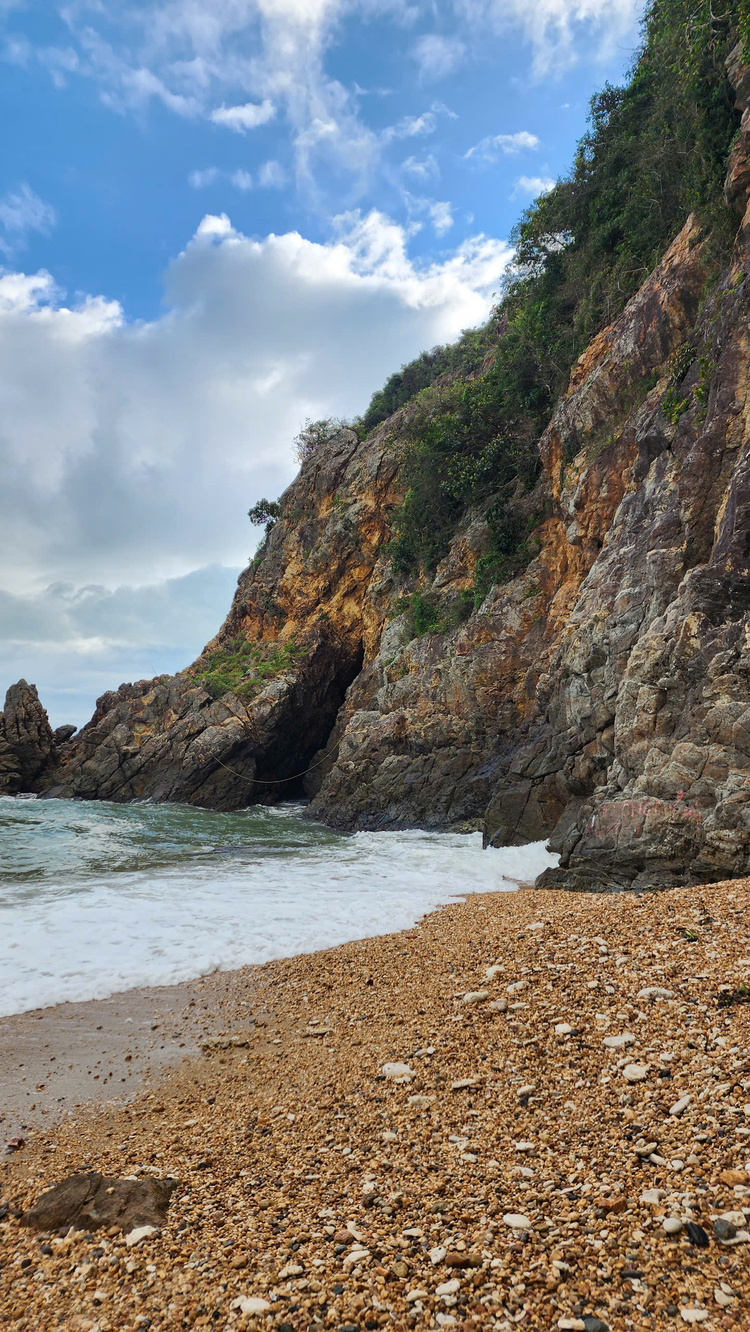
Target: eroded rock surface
[(90, 1200)]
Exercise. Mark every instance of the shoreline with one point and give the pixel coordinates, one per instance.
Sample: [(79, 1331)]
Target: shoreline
[(311, 1181)]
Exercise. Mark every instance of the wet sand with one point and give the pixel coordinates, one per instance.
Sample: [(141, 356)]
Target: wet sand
[(55, 1061)]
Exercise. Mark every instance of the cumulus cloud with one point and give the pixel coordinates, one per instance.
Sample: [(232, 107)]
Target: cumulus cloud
[(21, 212), (532, 186), (244, 118), (494, 145), (130, 452)]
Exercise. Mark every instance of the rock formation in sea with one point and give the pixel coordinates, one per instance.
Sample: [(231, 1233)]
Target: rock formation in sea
[(598, 696)]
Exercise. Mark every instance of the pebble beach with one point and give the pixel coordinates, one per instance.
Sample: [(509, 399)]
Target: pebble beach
[(530, 1110)]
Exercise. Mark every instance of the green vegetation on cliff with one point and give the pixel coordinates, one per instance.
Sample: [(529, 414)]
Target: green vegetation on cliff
[(656, 150), (243, 668)]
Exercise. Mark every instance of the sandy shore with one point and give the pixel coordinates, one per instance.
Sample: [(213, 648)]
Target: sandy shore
[(54, 1061), (517, 1177)]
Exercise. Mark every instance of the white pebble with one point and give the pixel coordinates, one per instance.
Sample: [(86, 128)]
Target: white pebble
[(516, 1221), (250, 1304), (449, 1287), (398, 1072), (140, 1233), (680, 1105), (635, 1072)]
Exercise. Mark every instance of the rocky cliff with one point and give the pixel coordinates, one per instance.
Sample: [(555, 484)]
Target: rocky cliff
[(601, 697)]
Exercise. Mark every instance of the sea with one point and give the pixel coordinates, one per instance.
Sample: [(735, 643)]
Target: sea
[(96, 898)]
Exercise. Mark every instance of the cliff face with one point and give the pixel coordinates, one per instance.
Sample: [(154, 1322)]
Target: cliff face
[(601, 697)]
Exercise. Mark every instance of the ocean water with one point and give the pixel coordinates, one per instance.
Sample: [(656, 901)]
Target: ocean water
[(96, 898)]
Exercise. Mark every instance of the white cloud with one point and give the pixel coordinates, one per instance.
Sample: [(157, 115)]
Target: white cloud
[(532, 186), (272, 176), (410, 127), (489, 148), (75, 643), (239, 63), (22, 211), (198, 180), (422, 168), (558, 30), (438, 56), (151, 440), (241, 179), (441, 216), (244, 118)]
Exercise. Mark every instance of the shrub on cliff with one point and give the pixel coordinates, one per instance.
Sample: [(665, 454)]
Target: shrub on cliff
[(265, 513), (655, 150)]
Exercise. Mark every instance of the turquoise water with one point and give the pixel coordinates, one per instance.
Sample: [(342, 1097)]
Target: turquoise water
[(96, 898)]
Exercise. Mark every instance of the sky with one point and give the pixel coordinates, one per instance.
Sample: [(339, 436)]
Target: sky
[(217, 219)]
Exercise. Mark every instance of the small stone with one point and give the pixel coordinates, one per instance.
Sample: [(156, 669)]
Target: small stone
[(421, 1102), (476, 997), (654, 992), (635, 1072), (724, 1230), (652, 1196), (733, 1177), (672, 1225), (290, 1270), (722, 1298), (689, 1315), (398, 1072), (696, 1235), (594, 1324), (355, 1257), (498, 1006), (617, 1042), (571, 1324), (437, 1255), (139, 1234), (250, 1304), (517, 1221), (449, 1287), (418, 1294), (527, 1090), (465, 1084), (493, 971), (563, 1029), (680, 1106)]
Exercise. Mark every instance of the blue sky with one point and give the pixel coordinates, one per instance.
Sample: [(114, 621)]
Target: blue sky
[(218, 217)]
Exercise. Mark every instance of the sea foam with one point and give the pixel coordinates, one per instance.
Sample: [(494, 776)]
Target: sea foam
[(98, 898)]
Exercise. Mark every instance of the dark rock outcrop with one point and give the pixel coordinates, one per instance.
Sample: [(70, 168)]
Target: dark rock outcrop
[(27, 751), (92, 1200)]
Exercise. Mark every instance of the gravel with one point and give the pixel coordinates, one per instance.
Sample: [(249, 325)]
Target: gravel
[(501, 1184)]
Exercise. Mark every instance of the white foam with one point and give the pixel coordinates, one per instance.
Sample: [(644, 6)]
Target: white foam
[(91, 937)]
